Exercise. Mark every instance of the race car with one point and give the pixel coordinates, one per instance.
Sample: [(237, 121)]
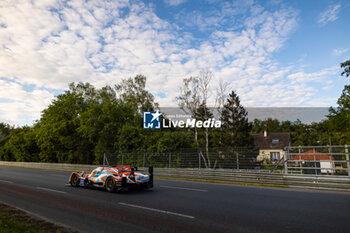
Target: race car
[(113, 178)]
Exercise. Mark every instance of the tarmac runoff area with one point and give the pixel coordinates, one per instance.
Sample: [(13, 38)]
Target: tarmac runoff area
[(174, 206)]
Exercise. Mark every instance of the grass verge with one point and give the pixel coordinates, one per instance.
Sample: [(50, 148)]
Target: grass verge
[(13, 220)]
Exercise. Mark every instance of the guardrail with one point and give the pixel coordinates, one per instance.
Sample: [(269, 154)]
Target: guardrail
[(51, 166), (340, 183), (296, 180)]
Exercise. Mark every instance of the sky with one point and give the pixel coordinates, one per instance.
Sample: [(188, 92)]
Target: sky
[(273, 53)]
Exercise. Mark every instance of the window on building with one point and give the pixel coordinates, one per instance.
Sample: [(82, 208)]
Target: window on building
[(275, 140), (274, 156)]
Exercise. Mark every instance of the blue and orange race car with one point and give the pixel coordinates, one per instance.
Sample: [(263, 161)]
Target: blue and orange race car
[(113, 178)]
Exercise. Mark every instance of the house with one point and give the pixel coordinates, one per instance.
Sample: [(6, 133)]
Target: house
[(271, 145), (313, 158)]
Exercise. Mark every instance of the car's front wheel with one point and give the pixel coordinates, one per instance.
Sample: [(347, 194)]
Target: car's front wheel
[(74, 180), (110, 184)]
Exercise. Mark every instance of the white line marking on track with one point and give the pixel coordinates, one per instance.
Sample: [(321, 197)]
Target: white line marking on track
[(190, 189), (6, 181), (157, 210), (52, 190)]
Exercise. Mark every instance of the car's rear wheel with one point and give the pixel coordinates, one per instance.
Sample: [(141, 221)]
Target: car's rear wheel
[(74, 181), (110, 184)]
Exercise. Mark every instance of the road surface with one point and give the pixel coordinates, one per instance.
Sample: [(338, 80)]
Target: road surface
[(174, 206)]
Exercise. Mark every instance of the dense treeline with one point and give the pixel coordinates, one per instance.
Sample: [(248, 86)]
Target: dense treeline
[(82, 123), (79, 125)]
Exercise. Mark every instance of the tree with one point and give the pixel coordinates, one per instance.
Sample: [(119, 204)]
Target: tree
[(221, 95), (5, 130), (346, 66), (102, 124), (340, 116), (235, 123), (189, 100), (205, 77), (133, 91), (203, 113), (270, 125), (22, 145), (193, 94), (57, 136)]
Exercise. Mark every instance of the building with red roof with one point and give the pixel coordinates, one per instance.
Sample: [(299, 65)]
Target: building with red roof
[(313, 158)]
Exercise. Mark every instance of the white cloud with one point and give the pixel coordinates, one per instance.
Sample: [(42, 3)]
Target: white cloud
[(329, 15), (48, 44), (174, 2), (321, 76), (339, 51), (19, 106)]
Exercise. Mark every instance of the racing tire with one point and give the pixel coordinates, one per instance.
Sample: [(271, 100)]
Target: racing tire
[(74, 180), (110, 184)]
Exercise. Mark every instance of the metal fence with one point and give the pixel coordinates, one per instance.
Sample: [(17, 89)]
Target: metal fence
[(317, 160), (310, 160), (213, 158)]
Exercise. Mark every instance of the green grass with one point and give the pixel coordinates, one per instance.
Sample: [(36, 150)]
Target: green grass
[(14, 220), (9, 224)]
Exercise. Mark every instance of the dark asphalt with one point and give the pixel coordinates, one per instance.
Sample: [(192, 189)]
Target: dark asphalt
[(174, 206)]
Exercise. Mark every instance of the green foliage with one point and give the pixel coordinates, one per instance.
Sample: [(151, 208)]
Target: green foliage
[(133, 91), (21, 146), (203, 113), (81, 124), (340, 116), (346, 66), (236, 130), (271, 125), (322, 133), (131, 138), (57, 130), (5, 130)]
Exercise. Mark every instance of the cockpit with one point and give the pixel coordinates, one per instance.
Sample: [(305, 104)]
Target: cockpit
[(97, 170)]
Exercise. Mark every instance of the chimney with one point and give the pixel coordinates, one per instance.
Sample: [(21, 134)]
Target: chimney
[(265, 133)]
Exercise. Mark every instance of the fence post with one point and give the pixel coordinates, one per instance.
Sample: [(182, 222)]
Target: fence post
[(105, 160), (237, 160), (286, 161), (169, 159), (123, 158), (300, 164), (347, 158), (315, 163), (199, 159)]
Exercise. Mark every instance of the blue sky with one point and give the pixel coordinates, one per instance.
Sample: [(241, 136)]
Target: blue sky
[(273, 53)]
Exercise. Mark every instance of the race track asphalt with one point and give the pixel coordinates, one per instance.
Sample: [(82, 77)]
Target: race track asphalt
[(174, 206)]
